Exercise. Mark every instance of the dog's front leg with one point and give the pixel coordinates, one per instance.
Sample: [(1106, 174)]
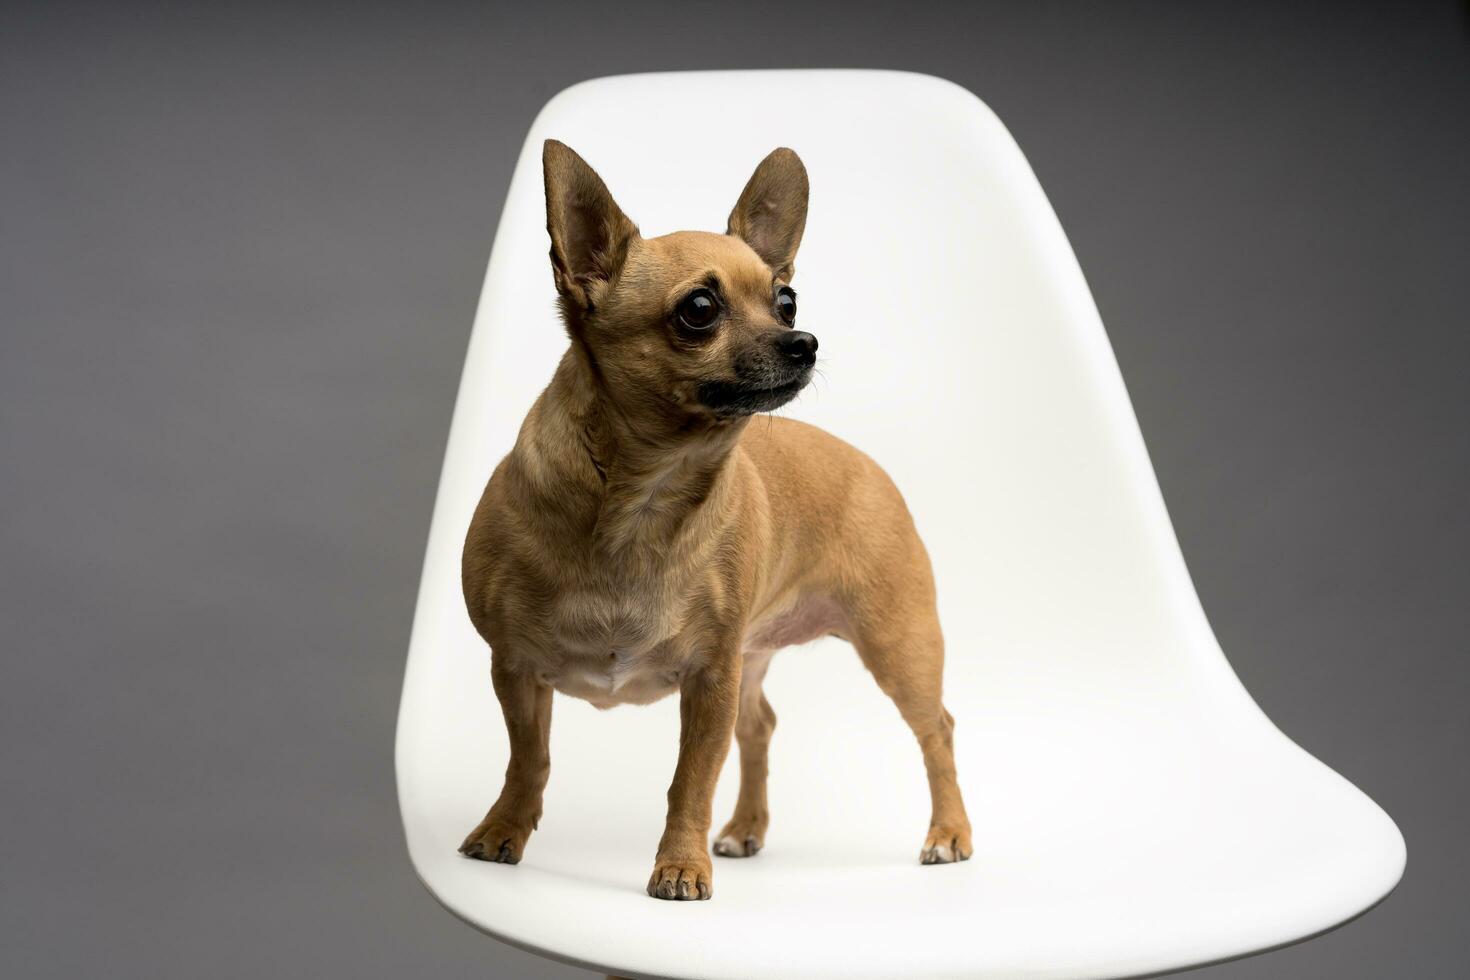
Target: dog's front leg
[(708, 703), (526, 704)]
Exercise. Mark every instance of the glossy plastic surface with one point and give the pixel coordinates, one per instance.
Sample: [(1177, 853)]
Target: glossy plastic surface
[(1134, 810)]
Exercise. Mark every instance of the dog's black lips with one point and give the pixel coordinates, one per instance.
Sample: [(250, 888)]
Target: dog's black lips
[(745, 398)]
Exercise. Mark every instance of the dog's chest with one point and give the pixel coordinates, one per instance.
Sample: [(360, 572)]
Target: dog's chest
[(621, 677), (613, 646)]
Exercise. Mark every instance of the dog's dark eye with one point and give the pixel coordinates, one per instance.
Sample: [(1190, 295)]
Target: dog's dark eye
[(699, 310), (786, 304)]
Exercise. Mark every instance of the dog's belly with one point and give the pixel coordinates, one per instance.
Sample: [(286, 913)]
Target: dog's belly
[(810, 617)]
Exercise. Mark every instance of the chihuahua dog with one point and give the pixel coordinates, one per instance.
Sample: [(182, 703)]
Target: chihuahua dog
[(642, 538)]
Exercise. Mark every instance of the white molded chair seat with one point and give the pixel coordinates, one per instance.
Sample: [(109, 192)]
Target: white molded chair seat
[(1134, 811)]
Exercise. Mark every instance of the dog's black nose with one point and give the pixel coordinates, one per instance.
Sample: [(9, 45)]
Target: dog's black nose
[(798, 345)]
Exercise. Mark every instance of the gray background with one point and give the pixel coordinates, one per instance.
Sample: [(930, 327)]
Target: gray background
[(240, 249)]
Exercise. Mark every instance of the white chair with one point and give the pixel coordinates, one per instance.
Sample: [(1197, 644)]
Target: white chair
[(1134, 810)]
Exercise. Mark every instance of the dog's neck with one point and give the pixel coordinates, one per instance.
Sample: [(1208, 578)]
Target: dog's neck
[(633, 483)]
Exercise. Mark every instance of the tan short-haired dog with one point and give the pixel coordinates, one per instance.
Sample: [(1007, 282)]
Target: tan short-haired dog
[(640, 539)]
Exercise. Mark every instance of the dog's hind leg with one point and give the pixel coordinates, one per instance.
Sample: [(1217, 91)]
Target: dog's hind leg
[(905, 653), (745, 833)]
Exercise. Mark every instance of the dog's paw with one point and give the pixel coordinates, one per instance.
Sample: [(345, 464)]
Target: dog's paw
[(496, 840), (729, 846), (681, 881), (740, 839), (946, 845)]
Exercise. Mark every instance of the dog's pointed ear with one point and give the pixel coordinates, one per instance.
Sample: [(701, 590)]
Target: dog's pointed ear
[(771, 213), (589, 232)]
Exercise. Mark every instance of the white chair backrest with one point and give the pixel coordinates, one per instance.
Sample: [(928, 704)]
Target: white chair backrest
[(961, 349)]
